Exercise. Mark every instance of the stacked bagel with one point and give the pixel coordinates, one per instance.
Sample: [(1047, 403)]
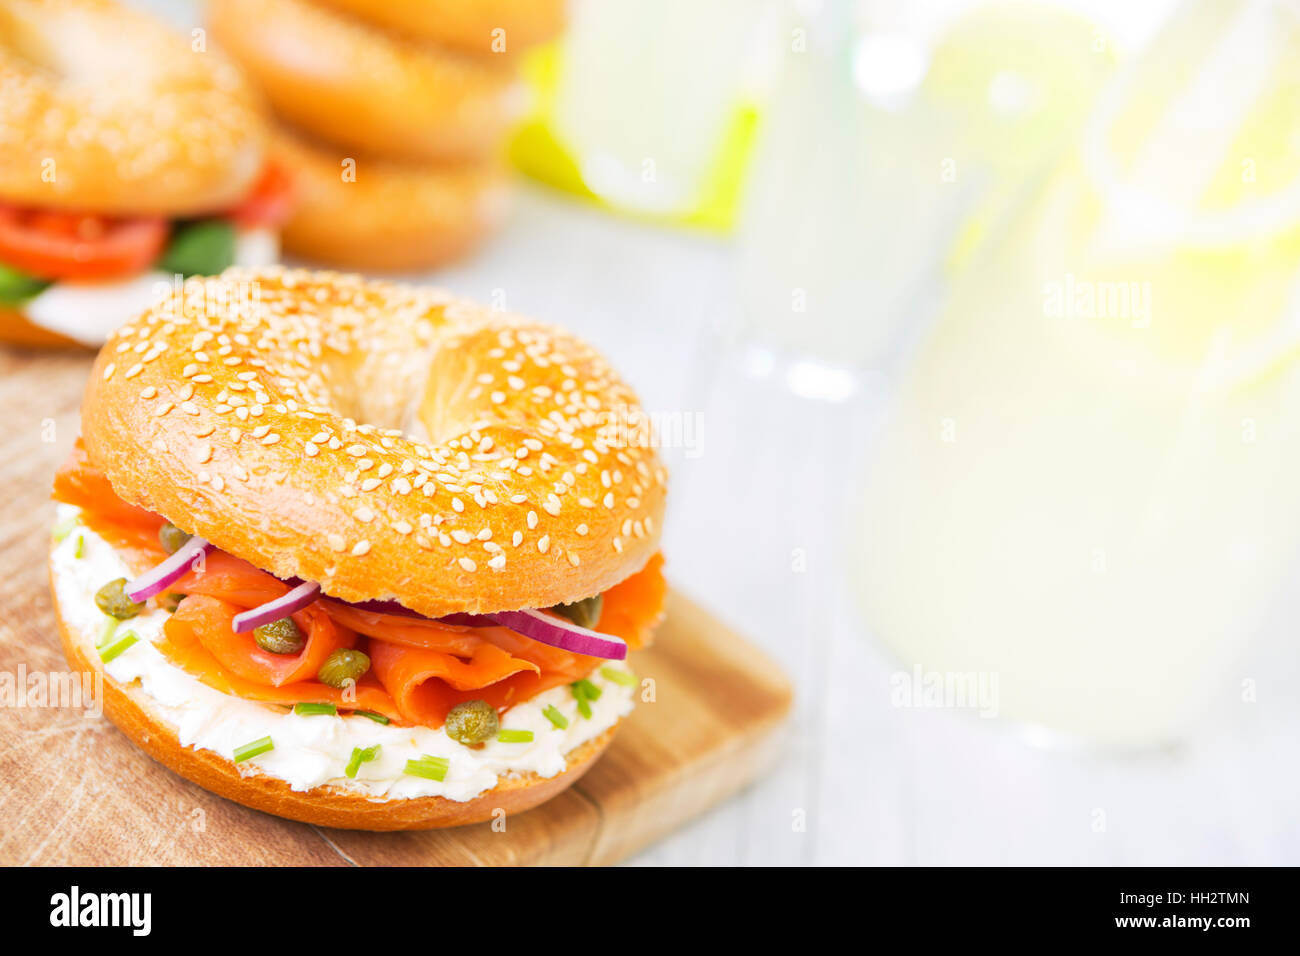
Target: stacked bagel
[(393, 115)]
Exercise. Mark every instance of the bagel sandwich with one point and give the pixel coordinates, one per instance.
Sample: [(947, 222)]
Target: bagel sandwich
[(131, 157), (358, 554)]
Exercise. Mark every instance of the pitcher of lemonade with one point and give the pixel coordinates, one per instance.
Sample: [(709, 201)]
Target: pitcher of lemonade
[(1089, 484)]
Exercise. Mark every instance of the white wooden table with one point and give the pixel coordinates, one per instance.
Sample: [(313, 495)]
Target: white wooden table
[(870, 783)]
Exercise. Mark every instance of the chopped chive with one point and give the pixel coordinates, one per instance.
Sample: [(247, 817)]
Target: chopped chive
[(64, 528), (308, 709), (112, 650), (431, 768), (253, 749), (515, 736), (79, 549), (377, 718), (107, 631), (580, 695), (626, 678), (359, 756), (589, 690), (553, 714)]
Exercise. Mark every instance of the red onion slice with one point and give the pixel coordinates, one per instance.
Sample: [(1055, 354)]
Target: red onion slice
[(155, 581), (558, 632), (295, 600)]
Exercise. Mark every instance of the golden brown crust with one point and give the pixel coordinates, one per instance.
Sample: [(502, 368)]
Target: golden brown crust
[(487, 27), (17, 329), (386, 441), (384, 215), (162, 130), (131, 709), (349, 83)]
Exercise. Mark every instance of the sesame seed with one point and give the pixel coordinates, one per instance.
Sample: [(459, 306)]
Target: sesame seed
[(544, 543), (468, 564), (362, 547)]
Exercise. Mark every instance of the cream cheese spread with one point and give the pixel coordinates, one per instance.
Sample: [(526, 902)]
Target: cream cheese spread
[(313, 751)]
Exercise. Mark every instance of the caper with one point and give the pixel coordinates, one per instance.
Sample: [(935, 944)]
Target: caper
[(172, 537), (472, 722), (281, 637), (342, 666), (584, 613), (113, 601)]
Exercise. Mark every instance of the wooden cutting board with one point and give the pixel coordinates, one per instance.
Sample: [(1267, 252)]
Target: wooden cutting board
[(78, 792)]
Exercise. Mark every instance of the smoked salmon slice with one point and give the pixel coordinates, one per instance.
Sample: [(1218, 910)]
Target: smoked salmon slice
[(632, 608), (423, 691), (183, 647), (420, 668), (212, 622), (410, 630)]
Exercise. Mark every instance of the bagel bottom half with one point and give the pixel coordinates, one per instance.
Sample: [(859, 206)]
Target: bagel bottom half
[(359, 212), (133, 711), (17, 329)]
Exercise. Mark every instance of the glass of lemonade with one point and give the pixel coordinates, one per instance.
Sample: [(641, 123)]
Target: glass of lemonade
[(645, 94), (895, 133), (1087, 485)]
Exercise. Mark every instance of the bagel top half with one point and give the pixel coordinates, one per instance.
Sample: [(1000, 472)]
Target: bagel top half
[(104, 108), (389, 442)]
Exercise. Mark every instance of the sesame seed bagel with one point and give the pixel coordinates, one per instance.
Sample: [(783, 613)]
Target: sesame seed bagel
[(344, 81), (475, 26), (389, 442), (367, 213), (138, 716), (105, 109)]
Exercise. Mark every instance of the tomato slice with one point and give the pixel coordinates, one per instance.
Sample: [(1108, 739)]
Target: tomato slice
[(70, 245), (269, 204)]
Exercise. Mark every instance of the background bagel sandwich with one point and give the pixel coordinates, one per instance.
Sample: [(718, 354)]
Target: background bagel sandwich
[(356, 553), (131, 155)]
